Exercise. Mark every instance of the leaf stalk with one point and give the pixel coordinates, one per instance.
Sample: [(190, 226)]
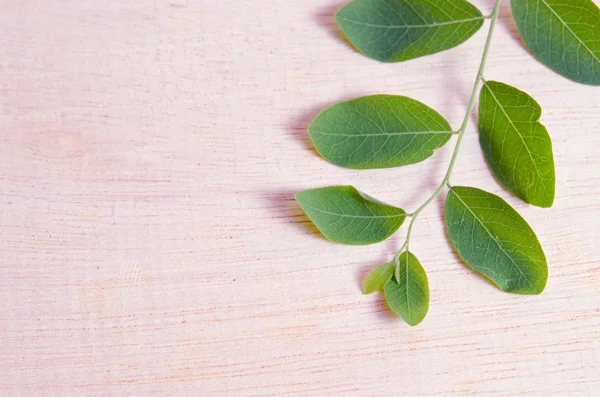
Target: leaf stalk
[(461, 132)]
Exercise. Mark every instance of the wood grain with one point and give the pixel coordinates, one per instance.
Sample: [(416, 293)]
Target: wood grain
[(150, 244)]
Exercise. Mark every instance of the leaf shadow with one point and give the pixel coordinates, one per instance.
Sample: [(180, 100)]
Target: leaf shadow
[(475, 116), (282, 204), (298, 128), (455, 89), (385, 313), (430, 179), (506, 19), (324, 17)]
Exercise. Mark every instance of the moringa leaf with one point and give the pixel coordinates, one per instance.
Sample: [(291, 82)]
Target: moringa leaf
[(494, 240), (377, 278), (347, 216), (563, 34), (378, 131), (516, 145), (399, 30), (408, 296)]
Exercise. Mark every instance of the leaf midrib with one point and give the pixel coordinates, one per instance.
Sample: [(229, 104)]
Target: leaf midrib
[(493, 238), (355, 216), (386, 133), (570, 30), (374, 25), (519, 134), (407, 291)]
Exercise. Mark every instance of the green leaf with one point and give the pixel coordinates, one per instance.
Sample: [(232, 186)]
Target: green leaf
[(516, 145), (408, 296), (399, 30), (378, 131), (563, 34), (347, 216), (377, 278), (494, 240)]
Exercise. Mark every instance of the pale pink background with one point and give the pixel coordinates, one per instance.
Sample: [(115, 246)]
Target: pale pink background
[(150, 244)]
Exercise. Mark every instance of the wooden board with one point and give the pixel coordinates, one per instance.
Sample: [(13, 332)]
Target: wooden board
[(150, 244)]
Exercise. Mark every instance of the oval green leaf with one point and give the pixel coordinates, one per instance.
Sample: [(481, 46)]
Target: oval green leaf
[(378, 277), (378, 131), (408, 296), (494, 240), (347, 216), (516, 145), (399, 30), (563, 35)]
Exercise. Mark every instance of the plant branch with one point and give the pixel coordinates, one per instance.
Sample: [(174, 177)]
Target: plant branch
[(461, 132)]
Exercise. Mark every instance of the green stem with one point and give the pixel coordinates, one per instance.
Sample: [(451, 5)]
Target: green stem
[(461, 132)]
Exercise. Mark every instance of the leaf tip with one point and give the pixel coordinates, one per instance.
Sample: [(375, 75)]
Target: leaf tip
[(535, 287), (547, 203), (414, 323), (299, 197), (537, 201)]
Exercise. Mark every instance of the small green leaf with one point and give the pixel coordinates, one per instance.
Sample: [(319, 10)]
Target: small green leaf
[(494, 240), (516, 145), (377, 278), (563, 34), (399, 30), (347, 216), (408, 296), (378, 131)]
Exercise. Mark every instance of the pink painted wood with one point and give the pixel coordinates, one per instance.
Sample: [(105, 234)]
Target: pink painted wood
[(150, 244)]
